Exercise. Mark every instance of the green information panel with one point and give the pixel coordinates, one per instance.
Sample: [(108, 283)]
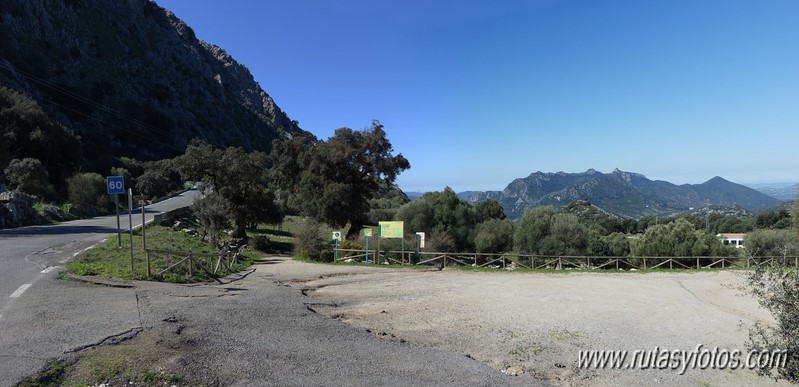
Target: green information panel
[(367, 231), (392, 229)]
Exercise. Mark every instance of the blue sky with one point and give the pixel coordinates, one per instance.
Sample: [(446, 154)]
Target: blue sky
[(477, 93)]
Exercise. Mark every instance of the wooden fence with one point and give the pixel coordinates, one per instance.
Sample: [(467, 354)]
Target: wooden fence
[(187, 262), (504, 261)]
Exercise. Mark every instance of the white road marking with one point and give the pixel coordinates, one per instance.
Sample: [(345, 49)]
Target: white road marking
[(19, 291), (48, 269), (87, 249)]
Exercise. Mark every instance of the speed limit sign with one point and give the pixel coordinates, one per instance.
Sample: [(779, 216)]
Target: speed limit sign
[(116, 184)]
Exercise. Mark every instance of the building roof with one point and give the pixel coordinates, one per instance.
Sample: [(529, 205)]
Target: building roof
[(731, 236)]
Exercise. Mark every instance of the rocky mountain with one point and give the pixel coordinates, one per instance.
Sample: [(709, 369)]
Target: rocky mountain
[(622, 193), (132, 79)]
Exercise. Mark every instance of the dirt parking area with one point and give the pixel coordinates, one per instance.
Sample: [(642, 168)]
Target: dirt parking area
[(536, 323)]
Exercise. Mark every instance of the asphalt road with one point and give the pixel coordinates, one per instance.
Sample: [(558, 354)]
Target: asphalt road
[(42, 317)]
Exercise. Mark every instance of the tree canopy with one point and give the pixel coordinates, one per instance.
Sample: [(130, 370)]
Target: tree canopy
[(27, 132), (340, 176), (236, 176)]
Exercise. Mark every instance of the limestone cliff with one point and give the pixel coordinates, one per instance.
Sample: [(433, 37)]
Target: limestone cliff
[(132, 79)]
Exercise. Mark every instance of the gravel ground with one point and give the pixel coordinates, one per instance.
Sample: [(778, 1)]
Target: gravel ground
[(537, 322), (294, 323)]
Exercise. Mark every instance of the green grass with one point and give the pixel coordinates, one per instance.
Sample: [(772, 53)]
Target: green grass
[(281, 237), (107, 260)]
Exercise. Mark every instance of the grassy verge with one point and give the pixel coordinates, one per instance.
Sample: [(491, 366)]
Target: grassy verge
[(107, 260), (143, 361)]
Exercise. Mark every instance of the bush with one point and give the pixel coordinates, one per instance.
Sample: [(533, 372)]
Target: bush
[(350, 245), (308, 241), (771, 243), (213, 215), (777, 290), (88, 192), (158, 179), (494, 236), (442, 242), (28, 175), (325, 256), (260, 243)]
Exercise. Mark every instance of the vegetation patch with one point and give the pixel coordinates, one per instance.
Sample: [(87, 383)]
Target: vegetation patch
[(149, 360), (109, 260)]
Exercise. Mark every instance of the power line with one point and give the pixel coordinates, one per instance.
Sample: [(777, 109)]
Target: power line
[(90, 102)]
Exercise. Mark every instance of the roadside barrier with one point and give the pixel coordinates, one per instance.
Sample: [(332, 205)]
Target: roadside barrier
[(187, 262), (513, 261)]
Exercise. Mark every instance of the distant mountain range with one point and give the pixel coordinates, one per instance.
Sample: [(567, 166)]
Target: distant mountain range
[(622, 193), (782, 191)]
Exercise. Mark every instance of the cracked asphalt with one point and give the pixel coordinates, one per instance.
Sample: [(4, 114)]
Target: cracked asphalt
[(257, 331), (43, 317)]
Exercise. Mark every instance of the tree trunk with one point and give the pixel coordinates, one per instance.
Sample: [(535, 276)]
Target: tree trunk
[(355, 229), (241, 229)]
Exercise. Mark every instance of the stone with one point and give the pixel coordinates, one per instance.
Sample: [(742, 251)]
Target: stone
[(73, 210), (17, 197), (53, 213), (514, 371)]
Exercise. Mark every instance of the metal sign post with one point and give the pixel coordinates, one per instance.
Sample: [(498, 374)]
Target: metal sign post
[(367, 232), (116, 186), (336, 237), (119, 232), (143, 244), (142, 201), (130, 224)]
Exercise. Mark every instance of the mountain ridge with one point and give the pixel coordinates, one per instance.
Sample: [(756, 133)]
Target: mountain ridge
[(622, 193)]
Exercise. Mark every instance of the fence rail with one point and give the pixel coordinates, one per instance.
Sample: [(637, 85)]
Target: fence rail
[(503, 261), (187, 262)]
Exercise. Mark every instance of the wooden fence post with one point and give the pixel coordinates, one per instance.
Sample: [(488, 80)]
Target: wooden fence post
[(148, 263)]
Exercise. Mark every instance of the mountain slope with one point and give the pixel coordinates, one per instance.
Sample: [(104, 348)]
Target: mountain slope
[(132, 79), (622, 193)]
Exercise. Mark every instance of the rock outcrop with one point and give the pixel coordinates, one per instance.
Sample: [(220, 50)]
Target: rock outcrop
[(16, 209)]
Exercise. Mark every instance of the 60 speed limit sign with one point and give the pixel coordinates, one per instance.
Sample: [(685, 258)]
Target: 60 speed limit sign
[(116, 184)]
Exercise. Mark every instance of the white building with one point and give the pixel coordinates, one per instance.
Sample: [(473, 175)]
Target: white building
[(736, 240)]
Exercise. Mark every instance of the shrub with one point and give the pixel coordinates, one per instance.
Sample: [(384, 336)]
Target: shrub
[(350, 245), (494, 236), (213, 215), (260, 243), (88, 192), (28, 175), (158, 179), (442, 242), (764, 243), (777, 290), (308, 241)]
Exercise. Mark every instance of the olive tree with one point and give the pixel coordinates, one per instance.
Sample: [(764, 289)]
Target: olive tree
[(342, 174), (28, 175), (237, 177)]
